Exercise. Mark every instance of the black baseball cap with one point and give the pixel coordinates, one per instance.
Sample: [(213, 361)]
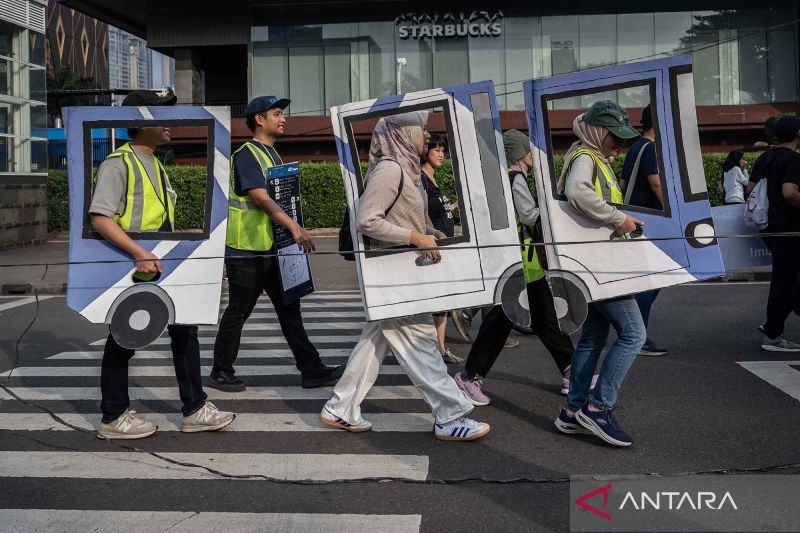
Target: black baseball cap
[(787, 127), (259, 104), (150, 98)]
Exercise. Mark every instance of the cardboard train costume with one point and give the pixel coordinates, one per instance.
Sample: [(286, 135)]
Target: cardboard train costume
[(101, 284), (678, 243)]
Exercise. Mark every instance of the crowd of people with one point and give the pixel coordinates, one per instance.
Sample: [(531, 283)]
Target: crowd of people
[(403, 204)]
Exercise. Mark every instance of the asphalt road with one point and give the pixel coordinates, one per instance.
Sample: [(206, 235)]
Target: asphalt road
[(694, 410)]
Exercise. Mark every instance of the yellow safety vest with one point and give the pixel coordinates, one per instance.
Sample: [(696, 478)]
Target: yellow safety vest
[(605, 182), (531, 266), (146, 208), (249, 227)]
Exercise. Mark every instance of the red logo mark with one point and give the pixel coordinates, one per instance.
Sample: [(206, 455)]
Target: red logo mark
[(581, 502)]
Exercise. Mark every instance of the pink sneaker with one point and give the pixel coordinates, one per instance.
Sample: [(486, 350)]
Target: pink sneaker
[(472, 389)]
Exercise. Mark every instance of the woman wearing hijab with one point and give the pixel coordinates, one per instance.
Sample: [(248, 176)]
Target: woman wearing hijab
[(591, 187), (387, 219), (734, 177)]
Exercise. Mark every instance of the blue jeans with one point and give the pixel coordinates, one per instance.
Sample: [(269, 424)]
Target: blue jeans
[(622, 313)]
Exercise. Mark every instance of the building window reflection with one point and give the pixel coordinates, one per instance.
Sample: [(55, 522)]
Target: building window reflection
[(739, 57)]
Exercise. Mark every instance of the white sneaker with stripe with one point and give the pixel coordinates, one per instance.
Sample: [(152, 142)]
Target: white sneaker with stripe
[(461, 429)]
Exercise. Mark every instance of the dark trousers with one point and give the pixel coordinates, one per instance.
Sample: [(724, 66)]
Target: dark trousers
[(185, 357), (496, 327), (783, 284), (247, 279), (645, 301)]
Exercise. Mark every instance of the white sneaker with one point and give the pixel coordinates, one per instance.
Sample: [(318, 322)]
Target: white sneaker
[(461, 429), (207, 418), (326, 417), (126, 427)]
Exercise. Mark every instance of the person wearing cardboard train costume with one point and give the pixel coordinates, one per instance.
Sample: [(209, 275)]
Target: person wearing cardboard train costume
[(590, 186), (496, 326), (387, 219), (250, 263), (133, 194)]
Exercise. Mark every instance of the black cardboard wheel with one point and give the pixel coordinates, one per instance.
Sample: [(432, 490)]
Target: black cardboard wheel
[(139, 320), (570, 301), (514, 299)]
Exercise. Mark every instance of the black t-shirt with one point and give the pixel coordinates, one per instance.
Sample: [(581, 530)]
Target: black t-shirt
[(779, 165), (642, 195), (441, 217)]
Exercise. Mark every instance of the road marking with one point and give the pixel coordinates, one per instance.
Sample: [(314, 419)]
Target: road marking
[(26, 520), (140, 465), (308, 326), (778, 374), (160, 371), (278, 422), (312, 305), (392, 392), (204, 354), (277, 339), (23, 301), (313, 314)]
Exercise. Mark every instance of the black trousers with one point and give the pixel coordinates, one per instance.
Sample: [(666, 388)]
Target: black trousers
[(185, 357), (496, 327), (783, 295), (247, 279)]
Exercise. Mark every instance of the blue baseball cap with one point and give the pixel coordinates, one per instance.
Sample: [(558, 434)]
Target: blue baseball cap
[(259, 104)]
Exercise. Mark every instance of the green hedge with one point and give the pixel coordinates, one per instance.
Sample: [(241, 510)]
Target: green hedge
[(322, 188)]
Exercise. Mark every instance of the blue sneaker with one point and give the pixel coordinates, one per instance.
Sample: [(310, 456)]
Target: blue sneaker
[(569, 425), (651, 348), (604, 425)]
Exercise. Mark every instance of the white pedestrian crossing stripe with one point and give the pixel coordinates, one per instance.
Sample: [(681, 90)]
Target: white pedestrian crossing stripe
[(163, 371), (206, 341), (245, 422), (141, 465), (308, 325), (399, 392), (785, 375), (26, 520), (204, 354)]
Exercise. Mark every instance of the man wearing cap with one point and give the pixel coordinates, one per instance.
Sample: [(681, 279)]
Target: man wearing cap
[(249, 254), (132, 193), (780, 166), (591, 188)]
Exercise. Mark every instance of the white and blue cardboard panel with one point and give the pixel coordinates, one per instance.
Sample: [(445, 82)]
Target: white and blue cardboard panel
[(100, 275), (678, 244), (395, 284)]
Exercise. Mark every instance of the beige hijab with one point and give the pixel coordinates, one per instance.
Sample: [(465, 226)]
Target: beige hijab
[(589, 138), (398, 137)]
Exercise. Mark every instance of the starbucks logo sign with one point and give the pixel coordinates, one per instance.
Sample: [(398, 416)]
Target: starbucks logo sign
[(475, 24)]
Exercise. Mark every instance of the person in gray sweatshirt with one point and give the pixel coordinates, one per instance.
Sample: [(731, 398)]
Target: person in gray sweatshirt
[(592, 192), (398, 142)]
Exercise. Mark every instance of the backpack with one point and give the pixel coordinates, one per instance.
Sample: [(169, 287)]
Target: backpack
[(346, 245), (756, 208)]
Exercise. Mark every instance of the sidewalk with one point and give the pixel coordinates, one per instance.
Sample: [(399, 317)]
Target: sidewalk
[(330, 271)]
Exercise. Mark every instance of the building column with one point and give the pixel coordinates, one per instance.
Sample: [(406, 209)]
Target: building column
[(189, 77)]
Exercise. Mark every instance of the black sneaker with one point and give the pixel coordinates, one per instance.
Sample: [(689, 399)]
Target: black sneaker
[(225, 381), (327, 375), (604, 425)]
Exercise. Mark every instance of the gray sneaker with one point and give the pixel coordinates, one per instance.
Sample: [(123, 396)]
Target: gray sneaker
[(126, 427), (450, 357), (780, 344), (462, 324), (207, 418)]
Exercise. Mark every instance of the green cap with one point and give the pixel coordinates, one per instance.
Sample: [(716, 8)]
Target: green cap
[(611, 115), (516, 144)]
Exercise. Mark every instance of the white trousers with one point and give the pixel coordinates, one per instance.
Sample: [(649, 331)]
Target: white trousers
[(412, 340)]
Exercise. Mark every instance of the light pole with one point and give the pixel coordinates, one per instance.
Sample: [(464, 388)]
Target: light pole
[(401, 62)]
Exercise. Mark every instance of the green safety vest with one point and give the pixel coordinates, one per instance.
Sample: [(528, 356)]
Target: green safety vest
[(249, 227), (605, 182), (531, 266), (146, 208)]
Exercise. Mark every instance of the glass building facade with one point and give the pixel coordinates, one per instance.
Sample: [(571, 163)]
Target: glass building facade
[(742, 56), (23, 100)]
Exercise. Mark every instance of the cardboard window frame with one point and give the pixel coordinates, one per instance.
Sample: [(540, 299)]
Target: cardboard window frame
[(449, 120), (651, 86), (88, 190)]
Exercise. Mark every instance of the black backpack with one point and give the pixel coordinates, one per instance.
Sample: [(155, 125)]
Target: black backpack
[(346, 246)]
